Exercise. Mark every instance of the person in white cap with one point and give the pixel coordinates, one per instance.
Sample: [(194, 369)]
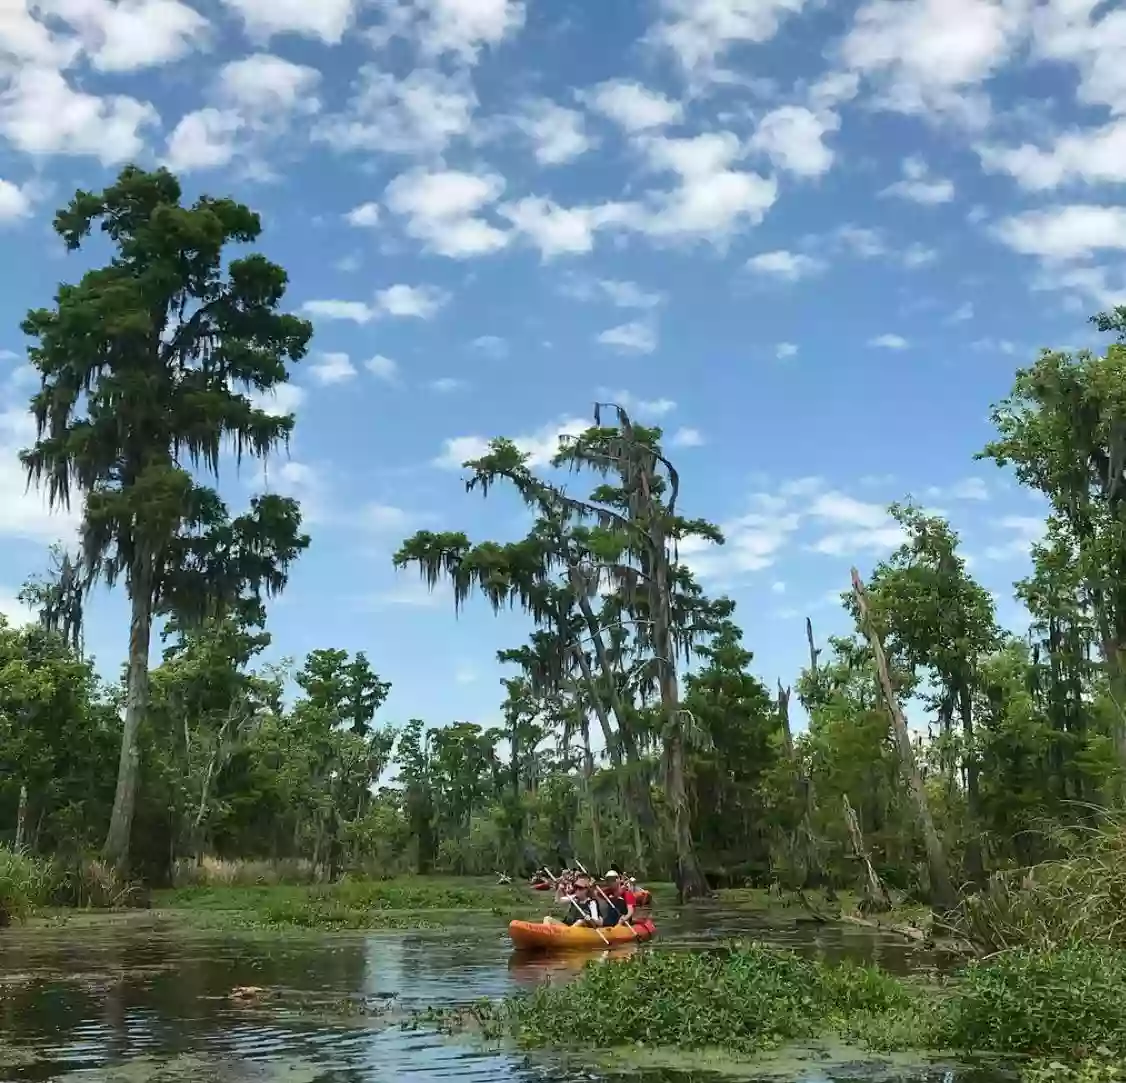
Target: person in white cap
[(622, 900)]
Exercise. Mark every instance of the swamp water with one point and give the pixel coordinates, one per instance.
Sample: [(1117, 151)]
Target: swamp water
[(153, 1003)]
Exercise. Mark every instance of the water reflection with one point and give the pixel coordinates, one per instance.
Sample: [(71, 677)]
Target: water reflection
[(164, 1006)]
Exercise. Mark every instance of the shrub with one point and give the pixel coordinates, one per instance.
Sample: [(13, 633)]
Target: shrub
[(1067, 1002), (746, 998), (25, 882)]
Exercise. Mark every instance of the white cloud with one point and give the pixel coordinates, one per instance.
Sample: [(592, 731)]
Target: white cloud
[(618, 292), (465, 27), (966, 489), (465, 674), (541, 445), (711, 200), (1091, 157), (861, 241), (491, 345), (633, 337), (557, 134), (855, 526), (363, 216), (633, 106), (442, 209), (918, 186), (262, 84), (284, 399), (559, 231), (628, 294), (385, 518), (41, 115), (444, 385), (253, 99), (1091, 37), (918, 255), (411, 302), (1024, 532), (930, 57), (687, 437), (785, 265), (383, 368), (785, 350), (699, 32), (992, 345), (792, 137), (15, 201), (398, 301), (1067, 232), (962, 313), (355, 311), (646, 408), (889, 342), (420, 114), (205, 139), (325, 20), (333, 368), (129, 35)]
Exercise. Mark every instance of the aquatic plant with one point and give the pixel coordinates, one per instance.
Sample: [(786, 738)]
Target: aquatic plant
[(1057, 1003), (24, 884), (410, 903), (748, 997), (217, 872), (745, 997), (1078, 899), (1091, 1070)]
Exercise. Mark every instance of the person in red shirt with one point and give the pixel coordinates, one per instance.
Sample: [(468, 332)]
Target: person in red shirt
[(622, 900)]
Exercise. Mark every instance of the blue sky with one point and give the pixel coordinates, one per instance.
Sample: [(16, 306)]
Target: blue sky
[(813, 241)]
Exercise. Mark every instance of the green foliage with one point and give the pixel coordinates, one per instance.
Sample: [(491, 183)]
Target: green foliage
[(1090, 1070), (743, 998), (1066, 1002), (1074, 900), (25, 883), (349, 904), (147, 367)]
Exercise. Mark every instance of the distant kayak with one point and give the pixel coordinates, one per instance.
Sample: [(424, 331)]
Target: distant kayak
[(535, 936)]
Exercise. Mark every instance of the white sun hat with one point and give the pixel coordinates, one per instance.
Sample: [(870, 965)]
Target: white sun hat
[(611, 875)]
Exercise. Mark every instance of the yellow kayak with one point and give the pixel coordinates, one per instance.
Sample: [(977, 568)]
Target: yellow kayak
[(536, 936)]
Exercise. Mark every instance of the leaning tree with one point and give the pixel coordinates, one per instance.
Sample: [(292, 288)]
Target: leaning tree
[(148, 367)]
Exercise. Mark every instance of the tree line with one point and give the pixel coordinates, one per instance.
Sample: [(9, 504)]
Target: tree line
[(633, 729)]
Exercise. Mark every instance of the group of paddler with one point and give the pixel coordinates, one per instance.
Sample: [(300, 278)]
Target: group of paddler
[(596, 912)]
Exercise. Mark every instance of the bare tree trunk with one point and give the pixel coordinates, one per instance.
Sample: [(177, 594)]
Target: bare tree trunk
[(690, 880), (942, 887), (21, 817), (975, 864), (116, 848), (595, 818), (637, 790), (876, 898)]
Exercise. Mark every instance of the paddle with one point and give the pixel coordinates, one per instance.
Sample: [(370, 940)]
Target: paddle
[(575, 902), (598, 888)]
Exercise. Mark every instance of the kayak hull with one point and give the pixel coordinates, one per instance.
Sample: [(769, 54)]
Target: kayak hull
[(535, 936)]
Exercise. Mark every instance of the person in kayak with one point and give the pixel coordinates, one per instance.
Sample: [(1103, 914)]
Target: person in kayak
[(621, 902), (583, 909)]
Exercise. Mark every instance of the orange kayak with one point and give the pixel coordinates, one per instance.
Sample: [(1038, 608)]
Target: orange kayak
[(535, 936)]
